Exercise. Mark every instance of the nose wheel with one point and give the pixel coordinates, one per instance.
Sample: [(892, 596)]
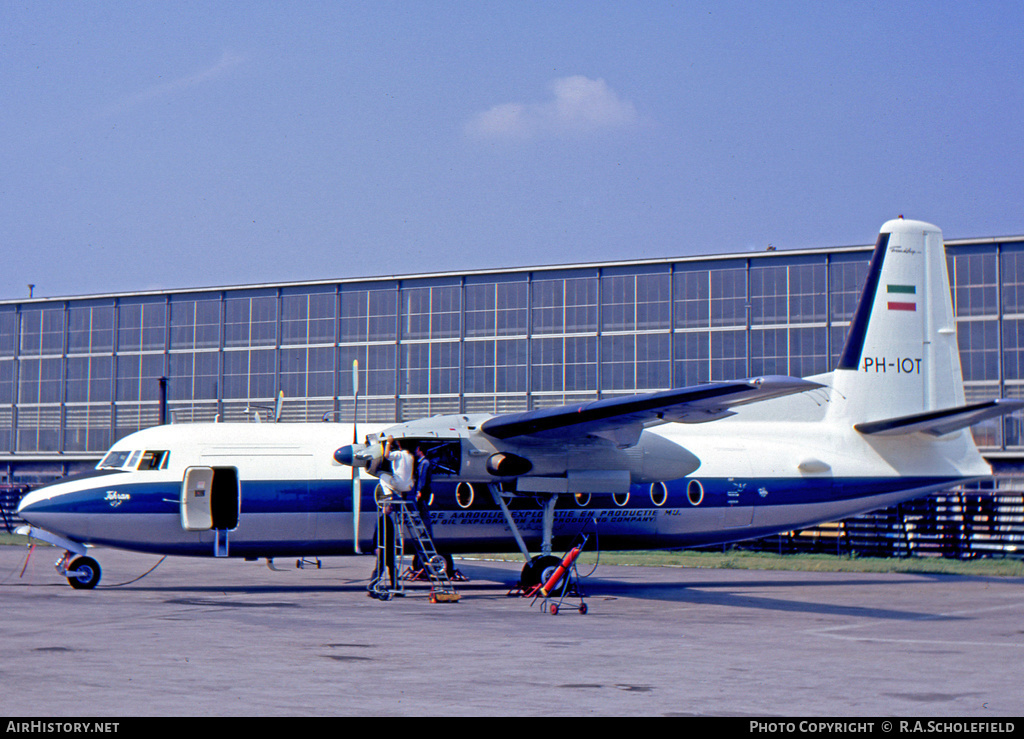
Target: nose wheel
[(83, 573)]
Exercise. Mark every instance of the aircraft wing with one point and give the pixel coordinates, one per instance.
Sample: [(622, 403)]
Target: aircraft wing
[(621, 420), (941, 422)]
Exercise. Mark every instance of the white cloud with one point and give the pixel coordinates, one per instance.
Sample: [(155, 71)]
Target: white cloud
[(228, 61), (578, 105)]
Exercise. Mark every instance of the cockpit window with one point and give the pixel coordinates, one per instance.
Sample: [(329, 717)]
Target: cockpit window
[(154, 460), (137, 459), (113, 460)]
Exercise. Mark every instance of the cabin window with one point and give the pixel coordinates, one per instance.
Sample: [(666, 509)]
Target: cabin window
[(695, 492), (659, 493), (464, 495)]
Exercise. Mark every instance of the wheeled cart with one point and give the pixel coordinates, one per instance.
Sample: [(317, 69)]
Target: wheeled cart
[(563, 583)]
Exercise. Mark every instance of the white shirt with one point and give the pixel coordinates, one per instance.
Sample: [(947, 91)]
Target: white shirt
[(401, 469)]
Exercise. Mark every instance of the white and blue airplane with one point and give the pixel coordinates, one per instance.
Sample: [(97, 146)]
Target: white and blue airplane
[(692, 466)]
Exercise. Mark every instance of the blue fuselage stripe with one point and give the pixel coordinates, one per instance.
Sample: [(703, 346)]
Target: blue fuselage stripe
[(271, 496)]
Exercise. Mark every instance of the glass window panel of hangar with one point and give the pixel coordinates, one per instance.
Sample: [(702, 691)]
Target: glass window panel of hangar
[(846, 276), (141, 325), (8, 331), (307, 372), (635, 302), (39, 380), (91, 329), (974, 282), (808, 346), (1011, 279), (138, 377), (377, 379), (368, 314), (87, 428), (496, 308), (710, 295), (710, 342), (38, 428), (250, 320), (308, 318), (431, 312), (42, 331), (769, 351), (564, 305), (6, 382), (430, 368), (979, 350), (195, 322), (635, 362), (90, 379), (250, 374), (788, 293), (193, 376)]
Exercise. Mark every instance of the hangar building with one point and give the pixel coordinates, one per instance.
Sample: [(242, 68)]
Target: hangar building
[(77, 373)]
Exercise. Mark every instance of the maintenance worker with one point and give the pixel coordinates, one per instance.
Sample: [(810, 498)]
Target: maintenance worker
[(421, 489), (399, 480), (393, 485)]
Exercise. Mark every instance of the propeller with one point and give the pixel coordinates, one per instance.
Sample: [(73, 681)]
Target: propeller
[(356, 455)]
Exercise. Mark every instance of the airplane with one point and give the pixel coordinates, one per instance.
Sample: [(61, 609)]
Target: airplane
[(694, 466)]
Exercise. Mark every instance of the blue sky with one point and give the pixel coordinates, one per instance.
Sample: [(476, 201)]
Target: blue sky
[(182, 144)]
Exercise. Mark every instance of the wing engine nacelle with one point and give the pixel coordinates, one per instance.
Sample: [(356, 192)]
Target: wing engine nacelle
[(461, 451), (367, 456)]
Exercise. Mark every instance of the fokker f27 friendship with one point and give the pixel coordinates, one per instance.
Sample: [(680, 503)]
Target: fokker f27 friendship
[(692, 466)]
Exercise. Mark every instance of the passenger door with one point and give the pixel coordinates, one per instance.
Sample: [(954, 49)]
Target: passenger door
[(211, 499)]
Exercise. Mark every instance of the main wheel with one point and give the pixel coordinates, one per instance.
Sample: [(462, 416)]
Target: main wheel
[(444, 560), (539, 570), (83, 573)]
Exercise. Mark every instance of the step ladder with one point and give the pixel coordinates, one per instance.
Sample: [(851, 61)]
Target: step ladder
[(411, 527)]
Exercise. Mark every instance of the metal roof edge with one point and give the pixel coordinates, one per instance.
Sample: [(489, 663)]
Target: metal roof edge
[(776, 253)]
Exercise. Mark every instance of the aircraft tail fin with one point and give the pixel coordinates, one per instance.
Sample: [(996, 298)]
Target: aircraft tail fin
[(901, 356)]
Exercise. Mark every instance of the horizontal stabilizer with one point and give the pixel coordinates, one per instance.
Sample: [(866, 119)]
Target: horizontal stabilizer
[(938, 423), (621, 420)]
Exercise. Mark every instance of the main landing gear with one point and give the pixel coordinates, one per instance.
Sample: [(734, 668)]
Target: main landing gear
[(538, 571)]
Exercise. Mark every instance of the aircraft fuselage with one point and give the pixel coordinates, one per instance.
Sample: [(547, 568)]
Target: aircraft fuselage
[(280, 493)]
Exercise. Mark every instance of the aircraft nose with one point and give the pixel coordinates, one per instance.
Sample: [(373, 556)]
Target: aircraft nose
[(31, 504)]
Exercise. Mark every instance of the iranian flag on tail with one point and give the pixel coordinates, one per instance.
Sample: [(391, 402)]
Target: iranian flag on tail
[(902, 297)]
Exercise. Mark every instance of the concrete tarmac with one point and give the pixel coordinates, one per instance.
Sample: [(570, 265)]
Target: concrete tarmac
[(204, 637)]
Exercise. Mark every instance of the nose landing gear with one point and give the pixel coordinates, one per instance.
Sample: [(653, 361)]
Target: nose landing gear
[(83, 573)]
